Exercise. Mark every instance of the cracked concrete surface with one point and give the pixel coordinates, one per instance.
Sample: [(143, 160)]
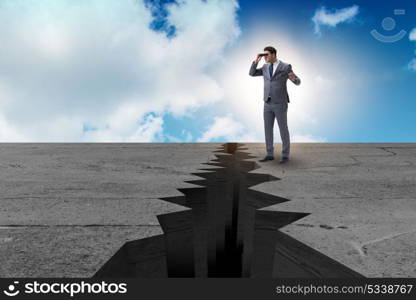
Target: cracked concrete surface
[(67, 208), (361, 199)]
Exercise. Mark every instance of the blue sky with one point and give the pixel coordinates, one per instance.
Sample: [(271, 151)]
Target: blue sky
[(177, 71)]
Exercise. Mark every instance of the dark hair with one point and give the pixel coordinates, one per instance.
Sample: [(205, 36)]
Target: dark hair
[(271, 49)]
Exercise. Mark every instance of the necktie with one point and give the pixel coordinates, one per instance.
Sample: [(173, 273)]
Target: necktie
[(271, 70)]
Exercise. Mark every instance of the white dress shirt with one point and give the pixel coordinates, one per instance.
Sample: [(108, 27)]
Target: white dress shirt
[(275, 64)]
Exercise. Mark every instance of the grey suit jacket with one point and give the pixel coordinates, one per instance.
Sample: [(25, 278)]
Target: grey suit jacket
[(276, 85)]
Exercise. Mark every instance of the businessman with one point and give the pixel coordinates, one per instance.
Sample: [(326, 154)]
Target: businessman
[(275, 74)]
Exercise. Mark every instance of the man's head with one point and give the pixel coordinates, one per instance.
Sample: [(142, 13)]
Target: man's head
[(271, 54)]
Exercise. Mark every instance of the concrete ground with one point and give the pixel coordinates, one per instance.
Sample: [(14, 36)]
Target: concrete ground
[(66, 208), (362, 200)]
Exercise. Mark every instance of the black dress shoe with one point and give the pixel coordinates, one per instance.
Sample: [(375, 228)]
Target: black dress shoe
[(283, 160), (266, 158)]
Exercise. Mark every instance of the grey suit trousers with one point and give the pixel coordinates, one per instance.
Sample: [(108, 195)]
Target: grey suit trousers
[(271, 112)]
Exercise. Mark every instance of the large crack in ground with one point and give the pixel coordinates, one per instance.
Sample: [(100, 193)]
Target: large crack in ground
[(224, 233)]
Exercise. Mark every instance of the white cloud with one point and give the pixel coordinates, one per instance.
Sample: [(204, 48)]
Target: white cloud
[(64, 63), (234, 131), (148, 129), (332, 18), (7, 132), (412, 65), (412, 35), (307, 138), (322, 82), (186, 136), (228, 127)]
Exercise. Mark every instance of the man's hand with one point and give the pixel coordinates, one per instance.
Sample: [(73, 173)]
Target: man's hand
[(292, 76), (295, 79), (253, 68), (258, 58)]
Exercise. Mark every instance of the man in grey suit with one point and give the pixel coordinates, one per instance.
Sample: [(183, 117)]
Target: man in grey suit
[(275, 74)]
